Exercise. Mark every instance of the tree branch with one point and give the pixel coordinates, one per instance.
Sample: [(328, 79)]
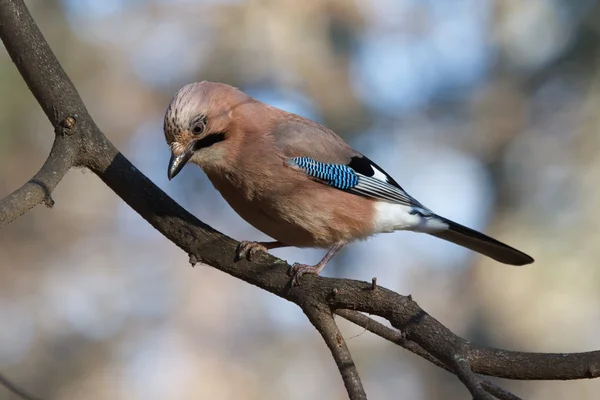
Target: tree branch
[(389, 334), (469, 379), (418, 326), (39, 188), (16, 389), (396, 337), (323, 321), (79, 142)]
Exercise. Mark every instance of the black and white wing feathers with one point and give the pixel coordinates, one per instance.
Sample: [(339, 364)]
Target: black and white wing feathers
[(360, 176)]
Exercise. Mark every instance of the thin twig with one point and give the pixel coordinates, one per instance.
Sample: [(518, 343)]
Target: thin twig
[(469, 378), (323, 321), (39, 188), (396, 337), (16, 389), (389, 334), (498, 392)]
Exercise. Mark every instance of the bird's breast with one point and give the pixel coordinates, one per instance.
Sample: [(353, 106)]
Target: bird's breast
[(295, 210)]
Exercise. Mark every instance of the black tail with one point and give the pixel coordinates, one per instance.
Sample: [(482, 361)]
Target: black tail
[(476, 241)]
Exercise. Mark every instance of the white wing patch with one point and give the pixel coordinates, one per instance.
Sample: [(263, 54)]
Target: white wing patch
[(391, 217), (374, 182), (394, 209), (378, 174)]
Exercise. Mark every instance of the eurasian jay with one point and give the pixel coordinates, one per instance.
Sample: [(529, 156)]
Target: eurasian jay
[(297, 181)]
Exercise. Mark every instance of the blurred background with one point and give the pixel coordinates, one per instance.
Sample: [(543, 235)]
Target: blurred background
[(485, 110)]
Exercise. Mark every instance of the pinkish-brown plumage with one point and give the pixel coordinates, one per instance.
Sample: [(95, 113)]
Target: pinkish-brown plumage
[(249, 170), (245, 147)]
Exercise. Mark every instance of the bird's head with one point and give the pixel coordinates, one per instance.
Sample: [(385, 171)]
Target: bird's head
[(198, 124)]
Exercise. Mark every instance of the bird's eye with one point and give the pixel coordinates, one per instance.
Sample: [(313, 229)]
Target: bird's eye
[(198, 125)]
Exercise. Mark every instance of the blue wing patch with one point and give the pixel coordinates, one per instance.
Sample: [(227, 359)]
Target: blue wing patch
[(339, 176), (374, 185)]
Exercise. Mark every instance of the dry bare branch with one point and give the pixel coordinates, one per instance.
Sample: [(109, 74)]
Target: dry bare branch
[(12, 387), (39, 188), (323, 321), (396, 337)]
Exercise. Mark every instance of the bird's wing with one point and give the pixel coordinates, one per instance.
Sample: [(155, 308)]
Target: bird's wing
[(360, 176), (326, 158)]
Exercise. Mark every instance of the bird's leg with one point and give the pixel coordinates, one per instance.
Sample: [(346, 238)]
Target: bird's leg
[(248, 249), (298, 269)]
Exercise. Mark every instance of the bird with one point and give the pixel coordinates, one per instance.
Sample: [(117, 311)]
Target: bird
[(297, 181)]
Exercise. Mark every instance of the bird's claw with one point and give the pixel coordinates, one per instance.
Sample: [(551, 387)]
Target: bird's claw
[(248, 249), (297, 270)]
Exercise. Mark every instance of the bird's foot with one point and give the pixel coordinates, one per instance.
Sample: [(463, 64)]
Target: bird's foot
[(297, 270), (248, 249)]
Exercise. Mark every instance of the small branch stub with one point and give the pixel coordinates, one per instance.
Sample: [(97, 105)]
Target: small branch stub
[(374, 283), (193, 260), (65, 127), (593, 371), (48, 201)]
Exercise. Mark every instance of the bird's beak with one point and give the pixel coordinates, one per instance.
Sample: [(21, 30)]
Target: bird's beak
[(176, 163)]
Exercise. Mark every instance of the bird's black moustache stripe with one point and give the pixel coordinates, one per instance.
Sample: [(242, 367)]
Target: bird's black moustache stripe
[(208, 141)]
